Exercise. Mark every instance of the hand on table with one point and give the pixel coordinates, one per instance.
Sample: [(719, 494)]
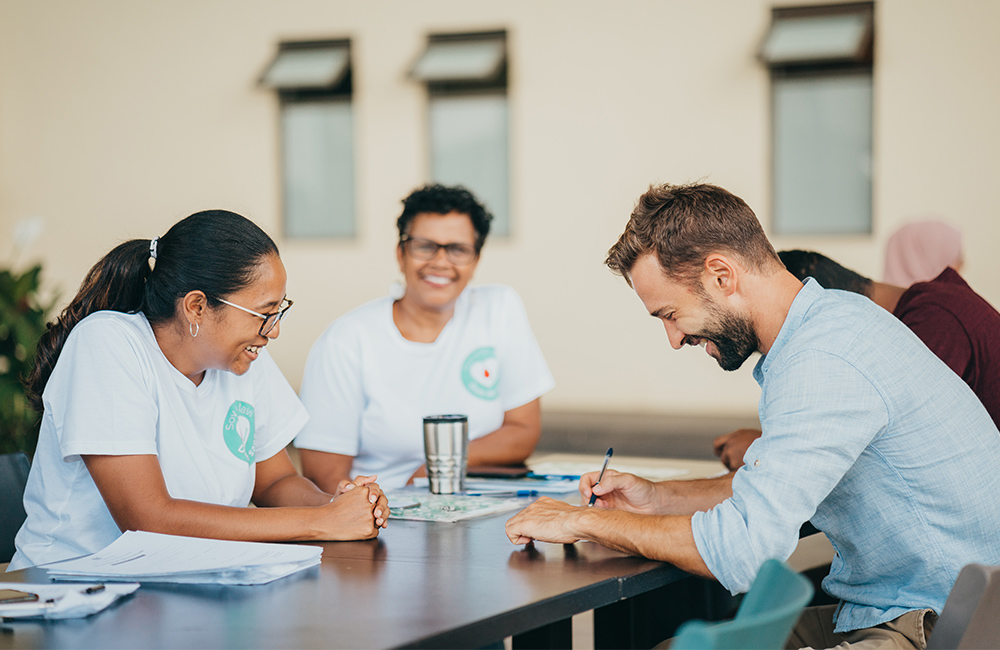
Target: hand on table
[(545, 520), (619, 490), (731, 447), (358, 481), (380, 504)]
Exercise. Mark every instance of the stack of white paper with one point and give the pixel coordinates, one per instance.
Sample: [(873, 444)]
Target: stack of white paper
[(153, 557)]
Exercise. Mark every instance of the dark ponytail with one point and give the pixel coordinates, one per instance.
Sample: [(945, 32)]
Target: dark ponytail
[(214, 251)]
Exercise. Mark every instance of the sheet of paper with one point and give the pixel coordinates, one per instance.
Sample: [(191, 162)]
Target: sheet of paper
[(57, 601), (400, 500), (153, 557), (454, 507), (651, 472), (487, 485)]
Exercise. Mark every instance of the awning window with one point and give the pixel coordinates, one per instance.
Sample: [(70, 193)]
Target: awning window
[(471, 58), (819, 35), (301, 66)]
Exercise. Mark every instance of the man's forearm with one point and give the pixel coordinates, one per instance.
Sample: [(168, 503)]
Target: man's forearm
[(689, 497), (668, 538)]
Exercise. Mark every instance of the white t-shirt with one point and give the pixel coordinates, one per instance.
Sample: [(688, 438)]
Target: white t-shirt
[(113, 393), (367, 389)]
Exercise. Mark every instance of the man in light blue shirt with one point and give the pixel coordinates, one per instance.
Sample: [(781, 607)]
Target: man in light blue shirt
[(865, 432)]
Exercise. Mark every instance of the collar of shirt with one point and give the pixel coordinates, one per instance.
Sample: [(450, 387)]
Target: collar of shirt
[(810, 293)]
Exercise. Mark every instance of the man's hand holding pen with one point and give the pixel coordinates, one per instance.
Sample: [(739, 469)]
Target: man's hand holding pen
[(619, 490)]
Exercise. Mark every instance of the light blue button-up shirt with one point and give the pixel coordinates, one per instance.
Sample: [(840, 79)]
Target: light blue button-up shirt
[(875, 440)]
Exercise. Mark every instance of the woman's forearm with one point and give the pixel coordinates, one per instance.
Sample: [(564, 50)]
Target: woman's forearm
[(137, 498)]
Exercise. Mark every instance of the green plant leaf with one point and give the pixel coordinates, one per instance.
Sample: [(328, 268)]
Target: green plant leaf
[(23, 319)]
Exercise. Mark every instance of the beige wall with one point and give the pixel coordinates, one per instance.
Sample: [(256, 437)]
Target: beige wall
[(118, 117)]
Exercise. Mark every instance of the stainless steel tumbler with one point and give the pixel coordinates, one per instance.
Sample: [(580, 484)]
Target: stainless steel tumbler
[(446, 446)]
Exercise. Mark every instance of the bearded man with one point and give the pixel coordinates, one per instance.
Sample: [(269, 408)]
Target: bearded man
[(856, 416)]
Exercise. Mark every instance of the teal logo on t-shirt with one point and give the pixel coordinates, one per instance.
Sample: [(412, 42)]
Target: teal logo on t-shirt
[(238, 431), (480, 373)]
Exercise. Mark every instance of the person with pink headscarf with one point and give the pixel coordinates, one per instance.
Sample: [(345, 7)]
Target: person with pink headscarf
[(919, 251)]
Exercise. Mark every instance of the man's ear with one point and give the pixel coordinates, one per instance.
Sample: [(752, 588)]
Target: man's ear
[(721, 275)]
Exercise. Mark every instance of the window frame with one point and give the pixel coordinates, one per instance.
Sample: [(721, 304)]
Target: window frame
[(493, 84), (341, 90), (861, 62)]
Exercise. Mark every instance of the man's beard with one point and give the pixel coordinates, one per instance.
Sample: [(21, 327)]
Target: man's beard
[(731, 334)]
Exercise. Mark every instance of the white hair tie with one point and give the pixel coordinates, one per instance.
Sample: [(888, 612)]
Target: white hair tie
[(152, 252)]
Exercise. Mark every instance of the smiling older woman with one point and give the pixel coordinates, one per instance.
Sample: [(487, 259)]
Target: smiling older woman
[(441, 347), (162, 410)]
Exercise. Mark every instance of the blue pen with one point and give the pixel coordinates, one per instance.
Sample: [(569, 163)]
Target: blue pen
[(512, 493), (607, 457)]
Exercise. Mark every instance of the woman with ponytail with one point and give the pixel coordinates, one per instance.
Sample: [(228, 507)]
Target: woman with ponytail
[(162, 411)]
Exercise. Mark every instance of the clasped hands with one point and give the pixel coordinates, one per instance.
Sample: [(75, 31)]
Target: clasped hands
[(379, 503)]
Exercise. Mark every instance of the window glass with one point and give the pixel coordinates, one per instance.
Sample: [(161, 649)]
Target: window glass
[(318, 168), (468, 134), (822, 129)]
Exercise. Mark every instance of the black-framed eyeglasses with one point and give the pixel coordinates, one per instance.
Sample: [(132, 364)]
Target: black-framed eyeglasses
[(270, 320), (425, 249)]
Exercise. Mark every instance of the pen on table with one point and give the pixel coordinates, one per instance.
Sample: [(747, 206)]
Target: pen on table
[(512, 493), (607, 457)]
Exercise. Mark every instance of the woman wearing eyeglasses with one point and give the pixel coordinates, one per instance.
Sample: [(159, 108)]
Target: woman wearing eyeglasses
[(162, 410), (439, 347)]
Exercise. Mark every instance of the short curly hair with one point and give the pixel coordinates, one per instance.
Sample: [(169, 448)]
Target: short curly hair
[(683, 224), (441, 199)]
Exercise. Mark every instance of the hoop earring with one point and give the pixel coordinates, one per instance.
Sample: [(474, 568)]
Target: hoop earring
[(193, 328)]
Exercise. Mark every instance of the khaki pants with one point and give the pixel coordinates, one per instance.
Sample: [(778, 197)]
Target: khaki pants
[(815, 630)]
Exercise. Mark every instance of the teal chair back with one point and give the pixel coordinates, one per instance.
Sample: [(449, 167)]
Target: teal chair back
[(764, 620), (13, 476)]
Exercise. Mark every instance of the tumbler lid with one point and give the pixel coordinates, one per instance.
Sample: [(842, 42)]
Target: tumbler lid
[(436, 419)]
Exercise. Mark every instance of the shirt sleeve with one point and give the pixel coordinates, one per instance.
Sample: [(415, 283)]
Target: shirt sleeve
[(283, 412), (333, 394), (524, 375), (818, 414), (101, 393)]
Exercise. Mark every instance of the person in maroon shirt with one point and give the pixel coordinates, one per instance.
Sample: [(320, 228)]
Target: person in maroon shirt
[(952, 320)]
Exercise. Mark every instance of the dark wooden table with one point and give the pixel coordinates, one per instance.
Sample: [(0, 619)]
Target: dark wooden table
[(432, 585)]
